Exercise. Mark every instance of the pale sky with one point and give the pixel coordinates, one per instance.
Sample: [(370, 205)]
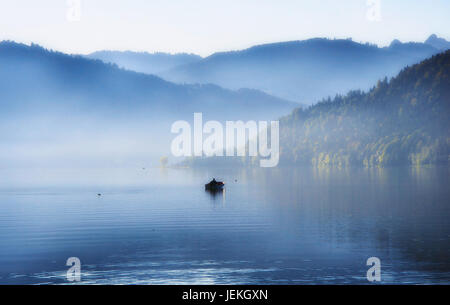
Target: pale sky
[(207, 26)]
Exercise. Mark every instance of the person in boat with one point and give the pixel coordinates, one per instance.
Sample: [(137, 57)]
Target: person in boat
[(214, 184)]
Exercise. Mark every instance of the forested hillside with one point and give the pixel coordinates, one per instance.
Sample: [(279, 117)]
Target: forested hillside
[(401, 121), (404, 121)]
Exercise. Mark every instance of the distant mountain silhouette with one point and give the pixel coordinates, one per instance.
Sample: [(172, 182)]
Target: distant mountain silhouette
[(145, 62), (438, 43), (57, 109), (303, 71), (33, 78)]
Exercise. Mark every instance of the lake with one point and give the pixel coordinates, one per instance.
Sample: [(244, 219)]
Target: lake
[(269, 226)]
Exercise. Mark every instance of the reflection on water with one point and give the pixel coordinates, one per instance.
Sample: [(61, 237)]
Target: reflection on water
[(269, 226), (217, 195)]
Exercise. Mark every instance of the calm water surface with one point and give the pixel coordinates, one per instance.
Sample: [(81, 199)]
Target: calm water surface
[(270, 226)]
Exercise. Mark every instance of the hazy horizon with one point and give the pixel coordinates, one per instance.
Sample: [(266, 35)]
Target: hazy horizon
[(204, 27), (205, 56)]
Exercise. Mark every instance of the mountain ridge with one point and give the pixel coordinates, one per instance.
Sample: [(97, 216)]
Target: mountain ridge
[(59, 109), (305, 70), (52, 73), (144, 62), (438, 42)]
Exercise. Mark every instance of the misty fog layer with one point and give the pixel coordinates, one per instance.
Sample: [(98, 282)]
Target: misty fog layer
[(58, 109)]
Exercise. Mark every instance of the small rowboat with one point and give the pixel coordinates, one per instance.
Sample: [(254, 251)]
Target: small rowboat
[(214, 185)]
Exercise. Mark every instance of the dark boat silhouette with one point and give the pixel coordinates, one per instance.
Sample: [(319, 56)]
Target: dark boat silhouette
[(214, 185)]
